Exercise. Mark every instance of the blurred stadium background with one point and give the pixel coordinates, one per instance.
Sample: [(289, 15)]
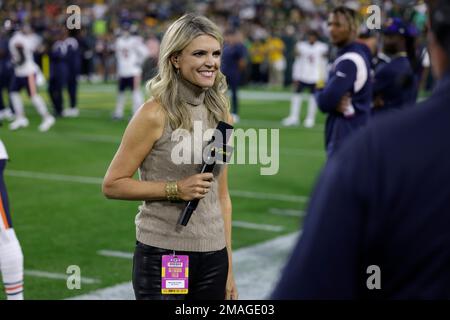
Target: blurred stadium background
[(54, 178)]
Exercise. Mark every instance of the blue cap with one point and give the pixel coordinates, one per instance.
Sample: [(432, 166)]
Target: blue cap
[(398, 26), (395, 26)]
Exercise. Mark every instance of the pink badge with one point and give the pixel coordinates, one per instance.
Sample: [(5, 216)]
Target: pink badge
[(174, 274)]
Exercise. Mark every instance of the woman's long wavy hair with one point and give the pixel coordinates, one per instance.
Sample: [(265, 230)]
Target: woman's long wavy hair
[(164, 86)]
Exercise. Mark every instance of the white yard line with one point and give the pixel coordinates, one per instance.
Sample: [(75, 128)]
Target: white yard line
[(287, 212), (268, 196), (236, 223), (270, 124), (57, 276), (52, 177), (116, 141), (257, 226), (243, 94), (116, 254), (256, 271), (98, 181), (257, 268)]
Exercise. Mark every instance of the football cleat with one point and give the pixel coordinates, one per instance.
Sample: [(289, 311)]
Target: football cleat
[(46, 124), (18, 123)]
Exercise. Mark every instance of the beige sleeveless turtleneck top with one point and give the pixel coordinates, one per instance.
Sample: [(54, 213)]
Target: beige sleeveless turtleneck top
[(156, 222)]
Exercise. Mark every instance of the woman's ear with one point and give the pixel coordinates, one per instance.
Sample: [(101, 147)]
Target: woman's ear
[(174, 59)]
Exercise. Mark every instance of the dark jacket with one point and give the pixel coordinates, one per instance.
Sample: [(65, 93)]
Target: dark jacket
[(346, 77), (383, 200)]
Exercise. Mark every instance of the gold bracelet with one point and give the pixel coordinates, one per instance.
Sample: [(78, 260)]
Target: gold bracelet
[(172, 191)]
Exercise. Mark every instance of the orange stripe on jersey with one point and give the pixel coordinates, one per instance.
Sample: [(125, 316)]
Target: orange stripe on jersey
[(3, 213), (13, 288)]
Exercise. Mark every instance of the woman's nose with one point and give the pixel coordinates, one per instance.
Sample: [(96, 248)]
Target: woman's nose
[(209, 61)]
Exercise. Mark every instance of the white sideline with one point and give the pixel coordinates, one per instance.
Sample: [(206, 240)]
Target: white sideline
[(257, 226), (57, 276), (287, 212), (98, 181), (116, 140), (256, 270), (242, 94), (116, 254)]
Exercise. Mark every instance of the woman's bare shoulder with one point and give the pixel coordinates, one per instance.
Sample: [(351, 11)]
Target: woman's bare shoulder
[(152, 111)]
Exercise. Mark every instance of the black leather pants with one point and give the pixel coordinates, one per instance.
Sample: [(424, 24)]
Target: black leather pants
[(207, 274)]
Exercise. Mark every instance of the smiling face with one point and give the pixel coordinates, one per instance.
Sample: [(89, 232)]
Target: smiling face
[(199, 62)]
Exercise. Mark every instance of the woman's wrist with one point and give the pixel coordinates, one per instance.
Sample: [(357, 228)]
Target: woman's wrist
[(172, 191)]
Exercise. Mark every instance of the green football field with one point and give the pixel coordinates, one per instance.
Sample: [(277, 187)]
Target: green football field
[(62, 218)]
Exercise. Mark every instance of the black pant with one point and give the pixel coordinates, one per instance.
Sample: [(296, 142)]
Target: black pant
[(72, 86), (233, 85), (55, 90), (207, 274)]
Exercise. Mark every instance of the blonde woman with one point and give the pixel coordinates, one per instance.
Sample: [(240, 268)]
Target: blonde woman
[(188, 90)]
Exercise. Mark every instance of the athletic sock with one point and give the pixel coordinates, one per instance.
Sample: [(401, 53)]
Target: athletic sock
[(11, 264)]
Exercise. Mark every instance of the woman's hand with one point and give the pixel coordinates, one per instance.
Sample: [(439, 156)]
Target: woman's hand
[(195, 187), (231, 289)]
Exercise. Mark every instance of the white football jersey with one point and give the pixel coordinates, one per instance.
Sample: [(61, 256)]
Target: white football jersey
[(130, 53), (22, 47), (3, 154), (310, 63)]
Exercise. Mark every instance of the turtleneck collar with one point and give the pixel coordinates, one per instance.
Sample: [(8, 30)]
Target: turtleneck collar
[(190, 93)]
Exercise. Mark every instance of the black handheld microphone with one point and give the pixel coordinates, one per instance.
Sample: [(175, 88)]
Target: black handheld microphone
[(216, 149)]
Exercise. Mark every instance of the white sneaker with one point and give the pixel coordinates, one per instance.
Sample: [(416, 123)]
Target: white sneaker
[(46, 124), (287, 122), (309, 123), (236, 118), (18, 123), (117, 116), (75, 112), (71, 113), (6, 114)]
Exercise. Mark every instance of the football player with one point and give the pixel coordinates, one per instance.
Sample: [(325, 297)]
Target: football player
[(130, 54), (11, 257), (308, 69), (347, 96), (21, 46)]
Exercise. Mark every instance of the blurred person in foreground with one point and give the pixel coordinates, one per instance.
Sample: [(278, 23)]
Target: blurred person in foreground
[(378, 223), (11, 257), (188, 92)]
